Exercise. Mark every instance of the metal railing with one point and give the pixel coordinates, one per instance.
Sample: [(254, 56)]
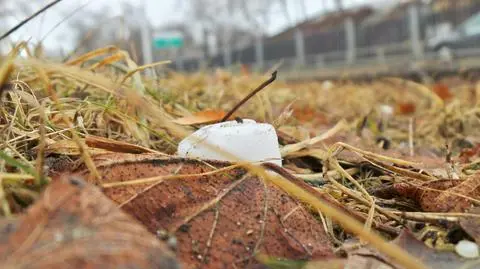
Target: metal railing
[(395, 44)]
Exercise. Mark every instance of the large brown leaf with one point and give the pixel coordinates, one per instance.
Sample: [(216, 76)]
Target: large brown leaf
[(471, 224), (445, 195), (367, 258), (74, 225), (219, 220)]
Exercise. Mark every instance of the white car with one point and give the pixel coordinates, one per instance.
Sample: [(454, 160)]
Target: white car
[(466, 35)]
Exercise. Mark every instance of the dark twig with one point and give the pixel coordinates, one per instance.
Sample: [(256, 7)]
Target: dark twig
[(259, 88), (5, 88), (20, 24)]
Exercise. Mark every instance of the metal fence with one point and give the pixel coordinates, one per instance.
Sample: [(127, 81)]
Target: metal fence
[(399, 39)]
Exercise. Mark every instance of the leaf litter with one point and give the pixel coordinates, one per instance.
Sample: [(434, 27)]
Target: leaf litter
[(363, 161)]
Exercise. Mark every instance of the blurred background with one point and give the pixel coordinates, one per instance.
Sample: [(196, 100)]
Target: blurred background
[(298, 35)]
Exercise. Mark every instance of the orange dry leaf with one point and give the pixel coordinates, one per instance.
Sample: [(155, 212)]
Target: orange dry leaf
[(244, 70), (406, 108), (202, 117), (222, 76), (73, 225), (442, 91), (308, 114), (469, 153)]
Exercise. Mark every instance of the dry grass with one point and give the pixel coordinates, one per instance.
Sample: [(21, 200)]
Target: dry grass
[(103, 93)]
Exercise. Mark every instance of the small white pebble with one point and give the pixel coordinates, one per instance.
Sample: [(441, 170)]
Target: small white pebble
[(467, 249), (172, 242), (327, 85), (386, 110), (58, 237)]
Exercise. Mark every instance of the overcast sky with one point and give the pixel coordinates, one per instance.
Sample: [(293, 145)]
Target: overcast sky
[(158, 12)]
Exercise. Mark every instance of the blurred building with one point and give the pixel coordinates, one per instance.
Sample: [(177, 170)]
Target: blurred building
[(325, 22), (390, 28)]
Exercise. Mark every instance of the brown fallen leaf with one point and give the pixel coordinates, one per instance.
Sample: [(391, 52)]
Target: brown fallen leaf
[(221, 219), (309, 114), (115, 146), (70, 148), (442, 91), (471, 224), (367, 258), (405, 108), (73, 225), (444, 195), (245, 70), (469, 153), (96, 145), (201, 117)]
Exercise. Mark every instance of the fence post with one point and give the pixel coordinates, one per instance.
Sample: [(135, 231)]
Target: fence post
[(179, 60), (227, 55), (300, 47), (380, 52), (259, 59), (350, 53), (414, 27), (319, 61)]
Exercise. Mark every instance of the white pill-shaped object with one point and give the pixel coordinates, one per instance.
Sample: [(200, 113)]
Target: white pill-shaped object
[(243, 140), (467, 249)]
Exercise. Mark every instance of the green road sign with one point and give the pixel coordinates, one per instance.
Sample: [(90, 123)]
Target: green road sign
[(167, 40)]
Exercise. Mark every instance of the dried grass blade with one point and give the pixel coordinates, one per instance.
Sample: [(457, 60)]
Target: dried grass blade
[(92, 54), (6, 68), (24, 167), (40, 162), (93, 79), (375, 155), (108, 60), (400, 171), (143, 67), (349, 223), (117, 146), (3, 200), (289, 149)]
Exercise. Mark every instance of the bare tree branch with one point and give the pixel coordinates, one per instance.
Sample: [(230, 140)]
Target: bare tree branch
[(23, 22)]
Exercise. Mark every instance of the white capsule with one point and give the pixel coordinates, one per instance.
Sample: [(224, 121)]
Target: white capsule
[(386, 110), (230, 141), (467, 249)]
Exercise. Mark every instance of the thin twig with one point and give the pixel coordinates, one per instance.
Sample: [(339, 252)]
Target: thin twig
[(137, 194), (410, 136), (23, 22), (359, 197), (156, 179), (259, 88), (212, 231), (40, 162), (210, 203), (264, 218), (375, 155)]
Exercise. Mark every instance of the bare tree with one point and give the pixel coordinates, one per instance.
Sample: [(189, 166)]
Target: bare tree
[(93, 30), (339, 5), (11, 12)]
